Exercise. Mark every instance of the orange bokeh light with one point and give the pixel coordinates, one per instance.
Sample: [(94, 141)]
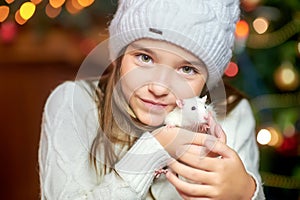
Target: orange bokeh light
[(36, 2), (52, 12), (19, 19), (9, 1), (56, 3), (4, 11), (242, 29)]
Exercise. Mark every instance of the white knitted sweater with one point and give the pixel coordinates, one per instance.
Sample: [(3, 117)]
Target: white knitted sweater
[(69, 126)]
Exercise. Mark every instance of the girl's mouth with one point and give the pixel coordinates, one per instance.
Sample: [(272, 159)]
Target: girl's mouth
[(154, 104)]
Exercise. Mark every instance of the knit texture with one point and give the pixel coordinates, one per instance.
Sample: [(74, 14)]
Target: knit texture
[(203, 27), (70, 125)]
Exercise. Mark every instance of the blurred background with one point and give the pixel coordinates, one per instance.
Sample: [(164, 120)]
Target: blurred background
[(43, 43)]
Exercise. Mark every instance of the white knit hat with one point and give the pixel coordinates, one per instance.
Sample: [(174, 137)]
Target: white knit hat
[(202, 27)]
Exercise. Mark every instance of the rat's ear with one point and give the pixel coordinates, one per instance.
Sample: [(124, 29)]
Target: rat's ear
[(203, 99), (179, 103)]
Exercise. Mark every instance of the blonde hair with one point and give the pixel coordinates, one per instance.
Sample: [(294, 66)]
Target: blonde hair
[(117, 126)]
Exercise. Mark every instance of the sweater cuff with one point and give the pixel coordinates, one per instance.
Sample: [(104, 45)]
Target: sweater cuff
[(138, 166), (259, 193)]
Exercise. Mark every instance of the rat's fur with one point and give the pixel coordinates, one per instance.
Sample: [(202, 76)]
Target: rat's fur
[(191, 114)]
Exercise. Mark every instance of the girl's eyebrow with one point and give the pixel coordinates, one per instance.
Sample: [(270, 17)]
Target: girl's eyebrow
[(196, 63), (141, 48)]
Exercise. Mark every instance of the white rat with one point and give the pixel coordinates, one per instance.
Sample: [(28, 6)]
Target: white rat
[(191, 114)]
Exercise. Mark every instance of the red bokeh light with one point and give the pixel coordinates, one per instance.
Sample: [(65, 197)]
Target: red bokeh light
[(232, 69)]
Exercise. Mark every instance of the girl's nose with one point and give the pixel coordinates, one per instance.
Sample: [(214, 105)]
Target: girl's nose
[(158, 89)]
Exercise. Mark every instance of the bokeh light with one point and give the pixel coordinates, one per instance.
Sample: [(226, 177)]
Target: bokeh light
[(232, 69), (27, 10), (289, 130), (263, 136), (250, 5), (36, 2), (242, 29), (260, 25), (4, 11), (73, 7), (9, 1), (269, 136), (56, 3), (276, 137), (286, 77), (8, 31), (85, 3), (52, 12), (19, 19)]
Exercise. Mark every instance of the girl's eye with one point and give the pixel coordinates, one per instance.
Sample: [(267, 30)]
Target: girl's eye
[(145, 58), (188, 70)]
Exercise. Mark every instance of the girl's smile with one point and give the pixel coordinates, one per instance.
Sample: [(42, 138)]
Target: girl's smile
[(152, 104)]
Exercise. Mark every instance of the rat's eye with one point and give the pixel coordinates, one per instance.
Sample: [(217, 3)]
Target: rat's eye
[(194, 108)]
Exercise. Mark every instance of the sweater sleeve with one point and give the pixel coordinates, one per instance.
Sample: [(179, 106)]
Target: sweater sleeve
[(240, 130), (69, 126)]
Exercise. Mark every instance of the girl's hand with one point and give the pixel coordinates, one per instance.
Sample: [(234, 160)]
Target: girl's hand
[(217, 175), (211, 178)]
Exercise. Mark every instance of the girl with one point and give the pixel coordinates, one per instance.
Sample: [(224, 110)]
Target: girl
[(106, 139)]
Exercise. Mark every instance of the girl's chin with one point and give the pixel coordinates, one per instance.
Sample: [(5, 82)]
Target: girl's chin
[(152, 120)]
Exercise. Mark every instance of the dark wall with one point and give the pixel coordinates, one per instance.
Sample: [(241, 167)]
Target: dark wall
[(24, 89)]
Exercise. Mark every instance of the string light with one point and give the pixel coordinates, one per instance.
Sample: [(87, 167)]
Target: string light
[(27, 10), (275, 38), (4, 11)]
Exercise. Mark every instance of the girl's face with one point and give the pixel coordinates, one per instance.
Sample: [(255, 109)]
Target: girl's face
[(154, 74)]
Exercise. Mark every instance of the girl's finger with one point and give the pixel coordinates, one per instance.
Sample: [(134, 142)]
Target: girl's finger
[(218, 147), (216, 129), (192, 174), (187, 197), (200, 162), (189, 189), (198, 151)]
